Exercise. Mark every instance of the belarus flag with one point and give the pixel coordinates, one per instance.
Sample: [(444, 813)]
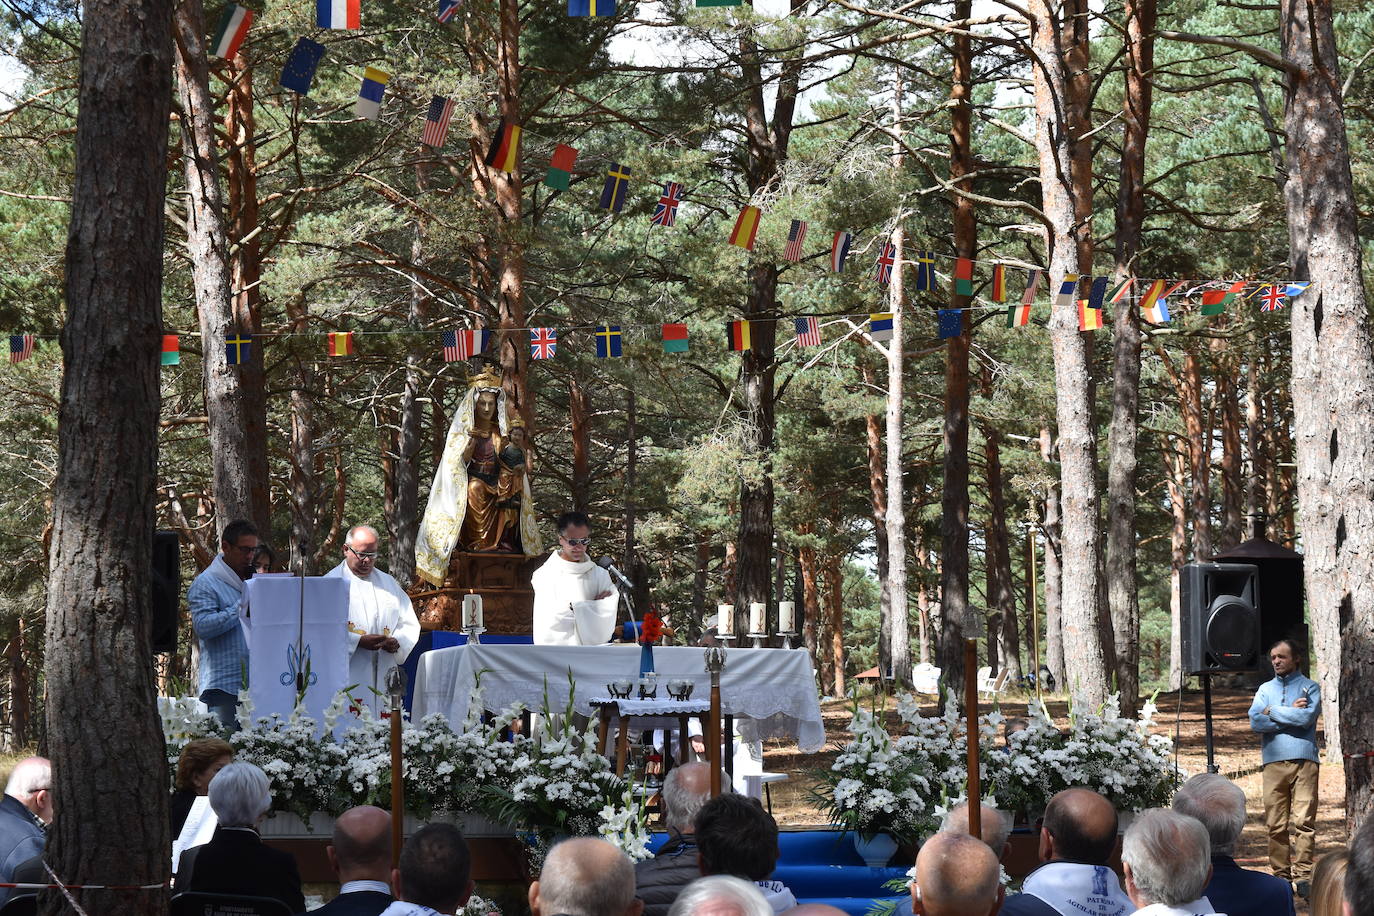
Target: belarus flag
[(338, 14), (233, 29)]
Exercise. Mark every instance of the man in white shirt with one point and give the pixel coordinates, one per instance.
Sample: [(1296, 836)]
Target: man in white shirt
[(1167, 859), (382, 626), (574, 599)]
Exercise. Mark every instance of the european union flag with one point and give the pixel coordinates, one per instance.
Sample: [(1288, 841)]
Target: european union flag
[(951, 323), (300, 66), (607, 341)]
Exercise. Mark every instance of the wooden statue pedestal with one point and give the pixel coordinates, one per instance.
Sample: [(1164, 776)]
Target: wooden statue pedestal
[(503, 581)]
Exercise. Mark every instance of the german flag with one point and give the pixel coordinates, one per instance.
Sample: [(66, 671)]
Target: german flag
[(340, 343), (746, 229), (999, 283), (737, 334), (505, 148)]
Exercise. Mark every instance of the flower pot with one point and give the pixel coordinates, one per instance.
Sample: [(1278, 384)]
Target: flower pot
[(877, 850)]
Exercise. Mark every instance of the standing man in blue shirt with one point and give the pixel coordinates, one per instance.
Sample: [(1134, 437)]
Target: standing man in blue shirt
[(214, 599), (1285, 714)]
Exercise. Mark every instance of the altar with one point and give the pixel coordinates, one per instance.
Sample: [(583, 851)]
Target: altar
[(771, 692)]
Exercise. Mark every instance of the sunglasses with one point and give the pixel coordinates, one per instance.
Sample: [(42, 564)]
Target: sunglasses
[(578, 542)]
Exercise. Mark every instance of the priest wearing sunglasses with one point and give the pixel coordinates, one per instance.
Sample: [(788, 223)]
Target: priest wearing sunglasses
[(574, 599)]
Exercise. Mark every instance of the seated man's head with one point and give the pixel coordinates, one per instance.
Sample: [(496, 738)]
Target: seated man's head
[(1079, 826), (956, 875), (240, 795), (685, 790), (1166, 857), (1219, 804), (720, 895), (585, 877), (30, 784), (361, 847), (995, 826), (735, 836), (435, 869)]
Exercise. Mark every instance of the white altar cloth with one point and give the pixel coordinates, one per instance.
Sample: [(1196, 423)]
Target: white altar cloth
[(771, 691)]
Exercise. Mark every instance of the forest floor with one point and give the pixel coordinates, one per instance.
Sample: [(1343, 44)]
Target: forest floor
[(1236, 751)]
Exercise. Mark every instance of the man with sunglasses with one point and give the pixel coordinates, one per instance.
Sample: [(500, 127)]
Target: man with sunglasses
[(382, 626), (574, 599)]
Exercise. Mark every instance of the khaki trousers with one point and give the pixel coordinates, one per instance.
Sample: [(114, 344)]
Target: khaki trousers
[(1290, 813)]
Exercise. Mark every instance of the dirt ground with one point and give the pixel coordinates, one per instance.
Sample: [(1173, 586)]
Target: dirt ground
[(1236, 753)]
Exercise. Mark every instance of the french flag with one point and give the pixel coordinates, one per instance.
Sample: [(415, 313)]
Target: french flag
[(338, 14)]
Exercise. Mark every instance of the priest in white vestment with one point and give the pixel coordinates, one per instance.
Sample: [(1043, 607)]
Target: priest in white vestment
[(574, 599), (382, 626)]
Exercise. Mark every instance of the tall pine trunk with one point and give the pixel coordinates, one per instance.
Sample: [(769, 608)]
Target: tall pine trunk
[(898, 623), (109, 777), (1001, 594), (1054, 630)]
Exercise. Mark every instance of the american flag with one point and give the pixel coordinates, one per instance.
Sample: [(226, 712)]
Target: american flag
[(436, 120), (457, 345), (1271, 298), (543, 343), (885, 262), (795, 236), (808, 331), (21, 347), (665, 211)]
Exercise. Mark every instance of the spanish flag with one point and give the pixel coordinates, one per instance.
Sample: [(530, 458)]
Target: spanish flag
[(999, 283), (746, 229), (1089, 319), (505, 148), (737, 334), (1151, 297), (340, 343)]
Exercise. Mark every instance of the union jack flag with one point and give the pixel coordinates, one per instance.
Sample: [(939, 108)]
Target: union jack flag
[(446, 10), (665, 211), (795, 236), (543, 343), (808, 331), (1271, 298), (437, 118), (457, 345), (885, 262)]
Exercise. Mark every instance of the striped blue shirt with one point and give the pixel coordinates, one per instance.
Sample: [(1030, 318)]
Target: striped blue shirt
[(214, 606)]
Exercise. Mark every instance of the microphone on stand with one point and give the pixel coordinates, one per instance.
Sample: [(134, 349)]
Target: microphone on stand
[(627, 587)]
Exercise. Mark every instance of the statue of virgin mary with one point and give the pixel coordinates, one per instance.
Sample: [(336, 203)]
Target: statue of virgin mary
[(469, 506)]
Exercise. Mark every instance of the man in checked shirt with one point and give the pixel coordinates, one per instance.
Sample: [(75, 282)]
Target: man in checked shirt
[(1285, 714)]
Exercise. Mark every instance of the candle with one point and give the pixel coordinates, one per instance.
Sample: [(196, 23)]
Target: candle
[(472, 611), (758, 617), (787, 616), (725, 620)]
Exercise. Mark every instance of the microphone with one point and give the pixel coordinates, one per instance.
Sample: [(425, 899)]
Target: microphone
[(606, 564)]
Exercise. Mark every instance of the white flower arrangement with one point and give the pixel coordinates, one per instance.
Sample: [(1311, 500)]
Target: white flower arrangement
[(476, 906)]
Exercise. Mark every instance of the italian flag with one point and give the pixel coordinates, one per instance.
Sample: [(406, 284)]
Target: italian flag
[(233, 29)]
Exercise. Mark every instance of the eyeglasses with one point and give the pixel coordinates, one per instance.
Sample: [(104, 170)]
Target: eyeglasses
[(578, 542), (370, 555)]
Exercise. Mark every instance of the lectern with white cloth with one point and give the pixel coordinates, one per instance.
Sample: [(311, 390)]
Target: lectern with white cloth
[(296, 626)]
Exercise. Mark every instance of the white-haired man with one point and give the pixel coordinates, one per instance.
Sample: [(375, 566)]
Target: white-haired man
[(721, 895), (659, 880), (1219, 805), (585, 876), (382, 626), (25, 812), (1167, 861)]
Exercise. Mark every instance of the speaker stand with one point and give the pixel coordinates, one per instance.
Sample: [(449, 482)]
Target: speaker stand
[(1207, 716)]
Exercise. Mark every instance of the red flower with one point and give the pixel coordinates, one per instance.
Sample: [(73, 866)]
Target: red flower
[(651, 630)]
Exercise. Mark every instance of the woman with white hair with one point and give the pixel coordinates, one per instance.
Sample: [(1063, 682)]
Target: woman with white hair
[(236, 861)]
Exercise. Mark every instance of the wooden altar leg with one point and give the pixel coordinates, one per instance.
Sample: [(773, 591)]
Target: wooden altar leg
[(622, 745), (684, 740), (603, 730)]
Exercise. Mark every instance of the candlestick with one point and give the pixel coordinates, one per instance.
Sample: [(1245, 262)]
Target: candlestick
[(787, 616), (758, 618), (725, 621)]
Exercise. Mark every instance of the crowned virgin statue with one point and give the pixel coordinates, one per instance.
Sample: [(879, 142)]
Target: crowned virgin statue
[(480, 499)]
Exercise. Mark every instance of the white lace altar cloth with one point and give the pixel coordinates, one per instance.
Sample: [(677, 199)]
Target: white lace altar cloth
[(770, 692)]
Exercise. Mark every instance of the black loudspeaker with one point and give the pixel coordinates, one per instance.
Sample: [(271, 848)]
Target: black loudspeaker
[(1281, 583), (166, 590), (1221, 617)]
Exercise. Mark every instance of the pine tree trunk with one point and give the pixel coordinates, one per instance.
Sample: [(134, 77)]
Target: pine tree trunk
[(1200, 456), (109, 777), (1178, 556), (1122, 598), (207, 248), (877, 495), (922, 603), (1333, 387), (811, 601), (508, 198), (1059, 35), (1001, 596), (1232, 483), (834, 584), (1054, 630), (899, 628), (580, 434)]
